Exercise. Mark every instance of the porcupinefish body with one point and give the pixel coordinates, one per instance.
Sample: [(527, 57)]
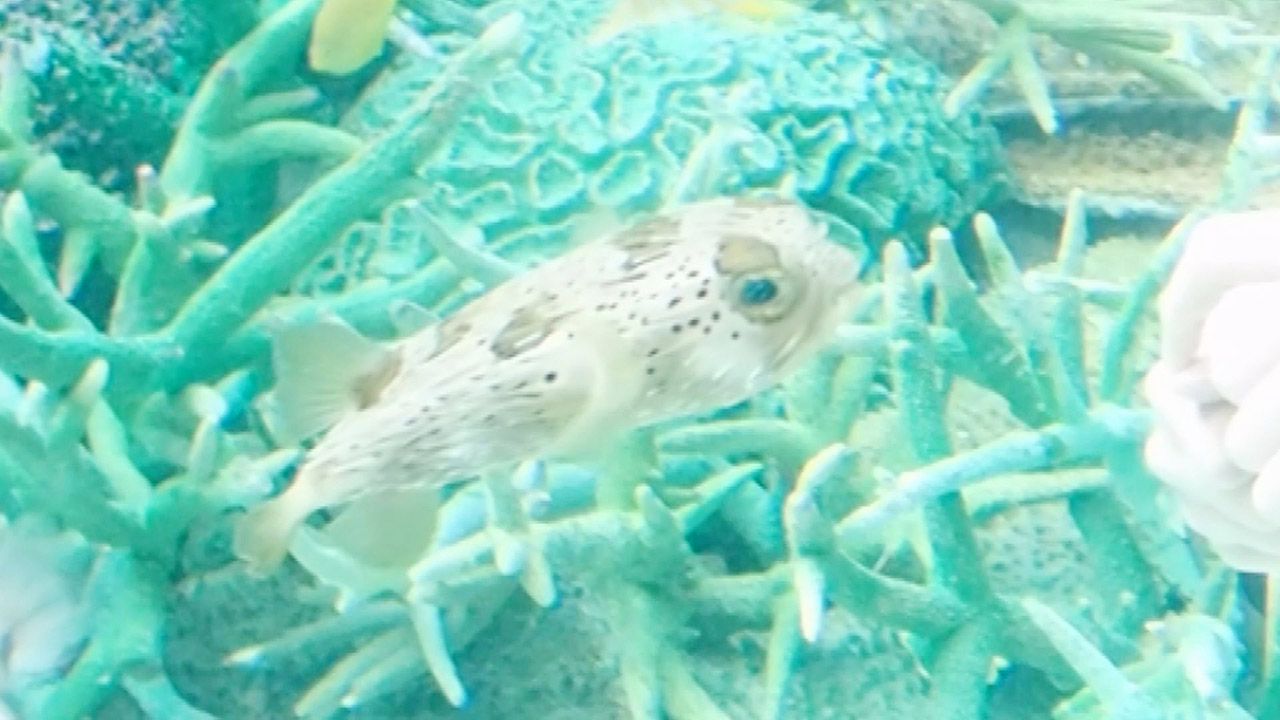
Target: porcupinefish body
[(683, 313)]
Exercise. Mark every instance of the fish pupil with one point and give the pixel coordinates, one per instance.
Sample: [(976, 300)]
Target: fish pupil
[(758, 291)]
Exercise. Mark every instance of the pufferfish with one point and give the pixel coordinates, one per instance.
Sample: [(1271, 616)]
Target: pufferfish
[(688, 311)]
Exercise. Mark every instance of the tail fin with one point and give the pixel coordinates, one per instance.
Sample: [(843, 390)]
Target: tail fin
[(263, 535)]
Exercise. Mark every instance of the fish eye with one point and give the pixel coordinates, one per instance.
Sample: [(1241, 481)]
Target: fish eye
[(757, 291), (763, 296)]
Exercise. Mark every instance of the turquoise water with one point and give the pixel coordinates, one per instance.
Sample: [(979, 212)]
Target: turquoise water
[(919, 388)]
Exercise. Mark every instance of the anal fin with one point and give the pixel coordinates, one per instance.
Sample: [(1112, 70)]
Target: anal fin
[(388, 528)]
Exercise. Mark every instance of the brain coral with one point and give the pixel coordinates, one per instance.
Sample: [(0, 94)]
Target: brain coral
[(855, 124)]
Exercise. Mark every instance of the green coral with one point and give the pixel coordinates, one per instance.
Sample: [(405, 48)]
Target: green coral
[(1155, 39), (725, 566), (817, 107), (801, 518)]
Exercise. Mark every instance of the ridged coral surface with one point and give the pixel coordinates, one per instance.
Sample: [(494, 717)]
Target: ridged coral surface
[(856, 125)]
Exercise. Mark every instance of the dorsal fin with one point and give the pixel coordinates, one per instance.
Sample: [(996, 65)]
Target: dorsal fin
[(593, 225), (325, 370)]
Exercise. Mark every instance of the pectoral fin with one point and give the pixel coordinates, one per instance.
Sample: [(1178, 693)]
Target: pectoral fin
[(615, 386), (325, 370), (391, 528)]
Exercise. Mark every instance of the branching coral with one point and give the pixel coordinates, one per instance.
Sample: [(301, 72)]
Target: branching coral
[(800, 500), (771, 527), (1150, 37), (119, 458)]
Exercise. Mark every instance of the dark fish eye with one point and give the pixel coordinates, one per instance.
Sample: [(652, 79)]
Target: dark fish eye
[(757, 291)]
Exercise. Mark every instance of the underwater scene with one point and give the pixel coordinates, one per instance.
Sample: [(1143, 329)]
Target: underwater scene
[(639, 359)]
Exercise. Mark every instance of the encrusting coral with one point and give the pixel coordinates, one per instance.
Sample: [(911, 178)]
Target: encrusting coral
[(727, 566), (111, 77)]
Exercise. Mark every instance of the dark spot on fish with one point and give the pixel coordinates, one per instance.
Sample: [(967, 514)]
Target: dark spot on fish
[(674, 302), (526, 330), (549, 377), (702, 293), (653, 352), (715, 316), (735, 335), (693, 322), (676, 329), (649, 371), (625, 279)]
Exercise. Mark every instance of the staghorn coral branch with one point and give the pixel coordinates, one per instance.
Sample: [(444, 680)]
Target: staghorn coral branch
[(820, 568), (261, 268), (1042, 449), (1118, 377), (218, 103), (1061, 380), (272, 140), (95, 221), (918, 379), (1121, 697), (959, 673), (125, 647), (995, 360), (266, 263), (58, 358), (1153, 40), (22, 273)]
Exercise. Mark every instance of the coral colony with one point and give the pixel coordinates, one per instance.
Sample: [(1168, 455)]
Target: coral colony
[(943, 513)]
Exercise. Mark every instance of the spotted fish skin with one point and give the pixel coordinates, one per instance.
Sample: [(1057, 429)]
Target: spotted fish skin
[(682, 313)]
